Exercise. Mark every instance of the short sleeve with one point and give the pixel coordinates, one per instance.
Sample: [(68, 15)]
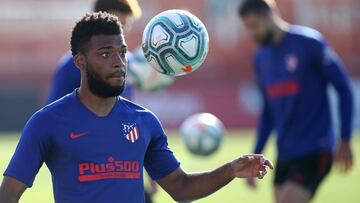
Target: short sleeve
[(266, 122), (159, 159), (30, 152)]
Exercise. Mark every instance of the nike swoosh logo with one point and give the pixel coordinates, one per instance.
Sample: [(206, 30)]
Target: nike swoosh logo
[(77, 135)]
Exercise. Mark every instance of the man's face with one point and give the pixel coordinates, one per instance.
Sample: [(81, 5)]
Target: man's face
[(127, 20), (259, 27), (106, 65)]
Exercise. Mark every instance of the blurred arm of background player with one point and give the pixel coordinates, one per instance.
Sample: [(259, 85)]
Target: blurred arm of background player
[(184, 187), (333, 70), (264, 129)]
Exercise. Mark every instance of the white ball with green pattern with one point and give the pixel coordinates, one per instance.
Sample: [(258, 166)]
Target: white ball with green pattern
[(202, 133), (175, 42)]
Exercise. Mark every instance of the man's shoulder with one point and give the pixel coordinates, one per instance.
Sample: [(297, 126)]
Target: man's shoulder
[(133, 107), (66, 60), (66, 70), (296, 35), (58, 107), (66, 66), (305, 34)]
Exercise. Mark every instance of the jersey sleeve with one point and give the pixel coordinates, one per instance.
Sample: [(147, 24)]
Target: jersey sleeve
[(31, 151), (159, 159), (266, 123), (65, 80), (333, 70), (265, 127)]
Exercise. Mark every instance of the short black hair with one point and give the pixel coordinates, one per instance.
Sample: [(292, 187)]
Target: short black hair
[(95, 23), (260, 7), (130, 7)]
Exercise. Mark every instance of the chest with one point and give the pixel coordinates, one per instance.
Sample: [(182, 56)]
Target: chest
[(101, 141), (282, 64), (280, 70)]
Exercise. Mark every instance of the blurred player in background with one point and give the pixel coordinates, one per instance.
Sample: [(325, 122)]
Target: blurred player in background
[(294, 65), (67, 76), (96, 143)]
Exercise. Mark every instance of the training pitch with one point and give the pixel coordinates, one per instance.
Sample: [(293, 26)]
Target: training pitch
[(336, 188)]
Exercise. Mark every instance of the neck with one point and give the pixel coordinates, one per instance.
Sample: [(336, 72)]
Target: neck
[(280, 29), (98, 105)]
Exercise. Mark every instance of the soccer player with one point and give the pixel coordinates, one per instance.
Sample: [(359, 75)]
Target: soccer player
[(95, 143), (294, 66), (67, 76)]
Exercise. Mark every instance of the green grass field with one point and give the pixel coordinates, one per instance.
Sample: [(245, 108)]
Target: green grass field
[(337, 187)]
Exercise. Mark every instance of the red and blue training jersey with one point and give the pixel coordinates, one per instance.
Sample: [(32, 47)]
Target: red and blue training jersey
[(91, 158), (293, 76)]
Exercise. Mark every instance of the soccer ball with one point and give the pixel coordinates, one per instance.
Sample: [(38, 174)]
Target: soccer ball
[(143, 76), (202, 133), (175, 42)]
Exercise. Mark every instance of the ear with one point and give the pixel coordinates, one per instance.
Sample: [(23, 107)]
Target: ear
[(80, 61)]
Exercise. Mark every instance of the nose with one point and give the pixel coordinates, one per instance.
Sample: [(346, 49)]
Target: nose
[(120, 61)]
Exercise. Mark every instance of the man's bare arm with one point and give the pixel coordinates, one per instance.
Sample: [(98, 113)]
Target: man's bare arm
[(183, 187), (11, 190)]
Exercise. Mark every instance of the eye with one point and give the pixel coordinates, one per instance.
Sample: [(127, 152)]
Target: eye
[(122, 53), (105, 54)]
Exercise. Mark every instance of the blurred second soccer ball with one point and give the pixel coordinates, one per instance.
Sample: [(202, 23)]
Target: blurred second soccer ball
[(202, 133)]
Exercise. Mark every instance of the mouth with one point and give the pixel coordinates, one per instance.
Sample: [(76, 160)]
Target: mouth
[(118, 75)]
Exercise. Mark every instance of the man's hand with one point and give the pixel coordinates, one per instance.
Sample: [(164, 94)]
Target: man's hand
[(344, 156), (250, 166)]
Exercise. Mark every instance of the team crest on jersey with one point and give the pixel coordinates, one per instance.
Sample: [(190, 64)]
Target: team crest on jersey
[(291, 62), (131, 131)]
